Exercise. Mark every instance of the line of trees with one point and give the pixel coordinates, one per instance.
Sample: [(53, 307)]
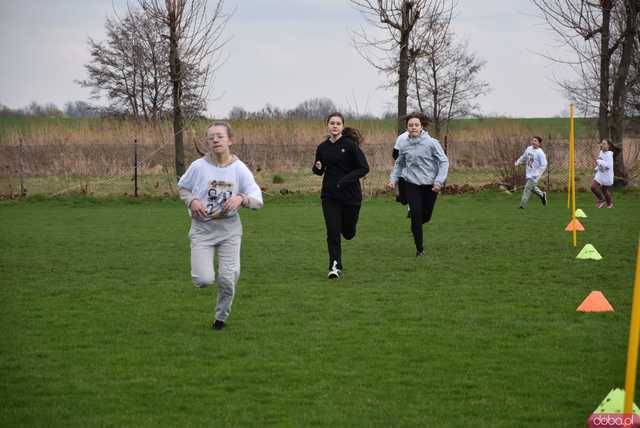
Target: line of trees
[(73, 109), (432, 71), (313, 108), (604, 38)]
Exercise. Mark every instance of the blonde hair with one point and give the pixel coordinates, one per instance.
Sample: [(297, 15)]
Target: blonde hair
[(226, 125)]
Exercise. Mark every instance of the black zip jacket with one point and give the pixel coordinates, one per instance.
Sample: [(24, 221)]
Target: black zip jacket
[(343, 165)]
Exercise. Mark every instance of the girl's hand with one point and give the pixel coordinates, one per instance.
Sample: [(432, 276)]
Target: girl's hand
[(198, 210), (437, 188), (391, 186), (318, 165), (232, 203)]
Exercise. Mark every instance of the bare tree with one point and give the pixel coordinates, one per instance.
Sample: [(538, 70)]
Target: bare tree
[(127, 68), (194, 37), (603, 62), (130, 68), (393, 54), (445, 77)]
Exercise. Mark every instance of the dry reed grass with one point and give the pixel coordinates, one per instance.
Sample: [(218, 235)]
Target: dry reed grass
[(58, 158)]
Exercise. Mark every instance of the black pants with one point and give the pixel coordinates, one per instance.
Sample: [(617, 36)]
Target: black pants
[(421, 202), (339, 219)]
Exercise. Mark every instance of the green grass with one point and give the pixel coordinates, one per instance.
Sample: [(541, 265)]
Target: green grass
[(101, 325), (162, 185)]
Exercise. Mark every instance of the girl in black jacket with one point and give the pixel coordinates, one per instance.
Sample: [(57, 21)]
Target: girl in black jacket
[(342, 162)]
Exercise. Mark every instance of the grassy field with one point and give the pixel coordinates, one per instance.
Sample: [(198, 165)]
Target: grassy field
[(163, 184), (102, 327)]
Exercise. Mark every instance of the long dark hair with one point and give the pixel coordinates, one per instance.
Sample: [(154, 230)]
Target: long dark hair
[(353, 134), (424, 120), (614, 149)]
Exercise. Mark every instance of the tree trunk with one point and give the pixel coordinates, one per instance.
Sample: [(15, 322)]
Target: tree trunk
[(403, 71), (620, 90), (605, 58), (176, 78), (415, 72), (435, 114)]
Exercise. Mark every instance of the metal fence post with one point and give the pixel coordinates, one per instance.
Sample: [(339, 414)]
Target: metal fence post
[(550, 156), (135, 168), (23, 190), (446, 149)]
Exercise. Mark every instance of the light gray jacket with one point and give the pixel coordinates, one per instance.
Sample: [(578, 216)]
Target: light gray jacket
[(420, 160)]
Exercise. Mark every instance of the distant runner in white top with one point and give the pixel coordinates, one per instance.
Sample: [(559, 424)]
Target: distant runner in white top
[(536, 163), (603, 178)]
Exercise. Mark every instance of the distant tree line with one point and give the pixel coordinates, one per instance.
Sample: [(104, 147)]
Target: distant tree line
[(73, 109), (313, 108)]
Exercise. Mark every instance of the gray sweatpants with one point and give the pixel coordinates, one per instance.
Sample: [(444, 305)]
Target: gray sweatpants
[(223, 237), (532, 184)]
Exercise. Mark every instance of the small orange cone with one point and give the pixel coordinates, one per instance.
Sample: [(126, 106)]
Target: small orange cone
[(595, 302), (579, 227)]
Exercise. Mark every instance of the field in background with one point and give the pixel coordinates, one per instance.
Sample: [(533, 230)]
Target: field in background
[(58, 156), (39, 130), (103, 327)]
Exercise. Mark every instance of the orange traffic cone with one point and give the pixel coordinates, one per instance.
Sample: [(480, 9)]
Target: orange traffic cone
[(578, 226), (595, 302)]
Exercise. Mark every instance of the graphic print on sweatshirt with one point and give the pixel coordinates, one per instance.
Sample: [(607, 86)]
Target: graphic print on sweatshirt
[(530, 160), (602, 166), (218, 193)]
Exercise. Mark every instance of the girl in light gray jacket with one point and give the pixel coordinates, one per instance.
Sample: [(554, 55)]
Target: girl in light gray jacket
[(424, 166)]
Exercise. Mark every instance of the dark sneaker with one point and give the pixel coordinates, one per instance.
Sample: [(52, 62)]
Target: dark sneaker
[(218, 325), (420, 253), (334, 273), (544, 198)]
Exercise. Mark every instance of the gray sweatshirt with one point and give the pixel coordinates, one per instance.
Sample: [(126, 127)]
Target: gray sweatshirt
[(213, 185)]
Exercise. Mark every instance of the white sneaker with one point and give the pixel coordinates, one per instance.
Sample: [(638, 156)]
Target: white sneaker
[(334, 273)]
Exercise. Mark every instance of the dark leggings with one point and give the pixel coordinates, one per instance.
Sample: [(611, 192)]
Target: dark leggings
[(339, 219), (601, 192), (421, 201)]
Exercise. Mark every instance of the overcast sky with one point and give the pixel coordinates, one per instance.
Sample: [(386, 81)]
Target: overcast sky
[(282, 52)]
